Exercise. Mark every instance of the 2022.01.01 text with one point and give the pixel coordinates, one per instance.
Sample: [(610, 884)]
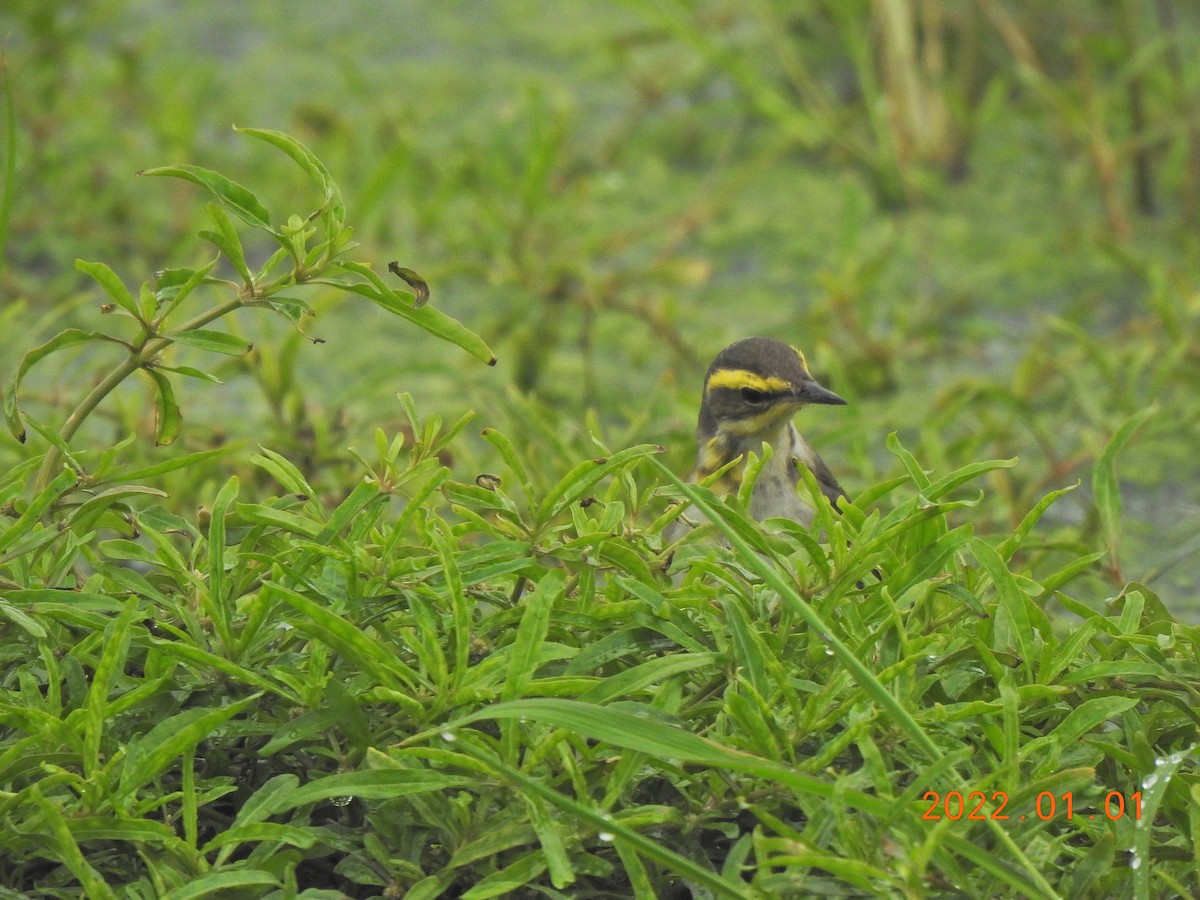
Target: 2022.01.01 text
[(953, 805)]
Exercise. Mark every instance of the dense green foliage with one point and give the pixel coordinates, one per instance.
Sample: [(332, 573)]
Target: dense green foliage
[(241, 659)]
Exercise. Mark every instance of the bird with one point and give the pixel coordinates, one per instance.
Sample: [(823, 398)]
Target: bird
[(752, 391)]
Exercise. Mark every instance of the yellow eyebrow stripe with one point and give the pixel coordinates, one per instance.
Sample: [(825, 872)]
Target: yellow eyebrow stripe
[(737, 379), (800, 353)]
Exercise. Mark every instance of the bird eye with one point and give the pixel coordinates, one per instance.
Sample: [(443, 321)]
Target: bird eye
[(750, 395)]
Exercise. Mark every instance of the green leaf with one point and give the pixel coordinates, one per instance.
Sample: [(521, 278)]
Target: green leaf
[(68, 851), (190, 373), (167, 417), (629, 682), (217, 341), (460, 637), (128, 550), (295, 311), (235, 198), (27, 624), (943, 486), (228, 241), (218, 596), (349, 715), (509, 879), (261, 832), (550, 836), (1082, 719), (1024, 884), (918, 475), (223, 884), (296, 730), (46, 599), (378, 659), (283, 520), (510, 456), (1106, 488), (203, 659), (1154, 791), (929, 561), (1087, 871), (586, 475), (1066, 653), (108, 828), (266, 800), (55, 440), (148, 302), (647, 735), (114, 647), (1012, 624), (308, 161), (169, 465), (365, 495), (1070, 570), (369, 275), (148, 756), (368, 784), (535, 619), (174, 285), (429, 318), (1014, 541), (1126, 670), (88, 512), (639, 879), (588, 814), (283, 470), (69, 337), (113, 286), (28, 520)]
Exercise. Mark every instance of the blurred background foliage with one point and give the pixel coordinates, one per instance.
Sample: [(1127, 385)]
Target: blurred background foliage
[(978, 217)]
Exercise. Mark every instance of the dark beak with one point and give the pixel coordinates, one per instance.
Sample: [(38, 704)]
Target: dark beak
[(811, 392)]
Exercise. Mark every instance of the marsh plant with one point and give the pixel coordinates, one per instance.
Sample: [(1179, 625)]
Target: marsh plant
[(475, 684)]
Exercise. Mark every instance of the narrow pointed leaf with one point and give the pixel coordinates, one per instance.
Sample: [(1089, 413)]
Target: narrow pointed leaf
[(1106, 487), (216, 341), (69, 337), (190, 373), (368, 784), (429, 318), (1013, 628), (227, 240), (149, 755), (308, 161), (167, 417), (113, 286), (235, 198), (535, 618)]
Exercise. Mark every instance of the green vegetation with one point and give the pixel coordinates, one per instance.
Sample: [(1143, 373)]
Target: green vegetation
[(245, 657)]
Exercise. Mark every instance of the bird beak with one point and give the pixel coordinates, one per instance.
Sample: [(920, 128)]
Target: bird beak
[(811, 392)]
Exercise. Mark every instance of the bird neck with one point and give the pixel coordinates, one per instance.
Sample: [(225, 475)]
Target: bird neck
[(719, 448)]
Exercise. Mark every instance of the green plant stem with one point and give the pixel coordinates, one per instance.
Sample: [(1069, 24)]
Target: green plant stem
[(151, 347)]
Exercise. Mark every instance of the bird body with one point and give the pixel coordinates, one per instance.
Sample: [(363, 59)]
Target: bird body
[(752, 390)]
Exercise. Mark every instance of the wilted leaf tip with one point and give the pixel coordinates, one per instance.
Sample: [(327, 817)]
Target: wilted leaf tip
[(413, 280)]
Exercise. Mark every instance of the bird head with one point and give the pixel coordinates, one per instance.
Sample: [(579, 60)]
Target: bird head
[(754, 386)]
